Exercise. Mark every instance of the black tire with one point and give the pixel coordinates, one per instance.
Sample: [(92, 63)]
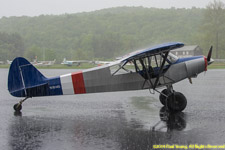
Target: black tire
[(162, 98), (177, 102), (17, 107)]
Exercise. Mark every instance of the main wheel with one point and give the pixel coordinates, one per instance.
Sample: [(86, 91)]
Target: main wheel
[(177, 102), (17, 107), (162, 98)]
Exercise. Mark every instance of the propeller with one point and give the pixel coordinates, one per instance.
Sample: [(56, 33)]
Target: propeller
[(209, 55)]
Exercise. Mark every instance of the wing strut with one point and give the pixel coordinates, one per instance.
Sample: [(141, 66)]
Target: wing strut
[(160, 70)]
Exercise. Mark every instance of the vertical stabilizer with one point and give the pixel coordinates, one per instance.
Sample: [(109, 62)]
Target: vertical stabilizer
[(23, 75)]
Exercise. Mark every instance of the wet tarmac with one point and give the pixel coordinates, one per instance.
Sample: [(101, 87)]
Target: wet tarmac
[(133, 120)]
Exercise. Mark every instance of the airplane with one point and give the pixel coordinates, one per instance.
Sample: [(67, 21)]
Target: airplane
[(9, 62), (43, 63), (153, 68), (100, 63), (74, 62)]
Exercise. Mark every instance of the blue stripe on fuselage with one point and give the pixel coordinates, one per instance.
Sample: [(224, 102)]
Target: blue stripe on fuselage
[(187, 59), (55, 87), (51, 87)]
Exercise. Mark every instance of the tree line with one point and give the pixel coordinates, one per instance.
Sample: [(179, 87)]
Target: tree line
[(11, 46), (108, 33)]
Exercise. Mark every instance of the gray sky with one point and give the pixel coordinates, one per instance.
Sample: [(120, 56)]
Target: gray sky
[(38, 7)]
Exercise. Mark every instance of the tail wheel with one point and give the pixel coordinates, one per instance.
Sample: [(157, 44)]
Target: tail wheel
[(17, 107), (177, 102), (162, 97)]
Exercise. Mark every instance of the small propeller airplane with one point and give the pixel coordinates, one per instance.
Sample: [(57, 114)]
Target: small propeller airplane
[(152, 69), (74, 62), (43, 63), (100, 63)]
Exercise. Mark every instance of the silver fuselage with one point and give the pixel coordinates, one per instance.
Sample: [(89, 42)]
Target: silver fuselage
[(101, 79)]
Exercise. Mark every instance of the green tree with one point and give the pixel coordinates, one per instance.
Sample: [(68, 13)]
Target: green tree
[(50, 54), (11, 46), (104, 34), (213, 25), (33, 53), (80, 54)]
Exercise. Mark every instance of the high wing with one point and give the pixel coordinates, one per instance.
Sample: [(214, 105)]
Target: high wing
[(162, 48)]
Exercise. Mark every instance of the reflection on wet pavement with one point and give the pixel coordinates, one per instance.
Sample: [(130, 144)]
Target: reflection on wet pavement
[(170, 121), (60, 133), (94, 132)]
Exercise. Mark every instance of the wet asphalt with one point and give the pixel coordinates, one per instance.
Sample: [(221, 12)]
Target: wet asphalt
[(133, 120)]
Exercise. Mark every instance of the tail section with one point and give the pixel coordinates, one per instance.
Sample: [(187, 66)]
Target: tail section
[(24, 80)]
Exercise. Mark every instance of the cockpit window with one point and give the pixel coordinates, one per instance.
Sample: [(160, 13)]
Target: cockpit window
[(122, 69), (150, 63)]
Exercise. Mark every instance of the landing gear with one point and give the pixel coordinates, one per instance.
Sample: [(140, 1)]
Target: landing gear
[(18, 107), (174, 101), (163, 96)]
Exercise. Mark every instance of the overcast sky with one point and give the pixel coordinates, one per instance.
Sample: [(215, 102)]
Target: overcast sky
[(38, 7)]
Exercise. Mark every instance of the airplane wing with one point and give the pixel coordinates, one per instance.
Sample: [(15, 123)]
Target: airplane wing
[(151, 51)]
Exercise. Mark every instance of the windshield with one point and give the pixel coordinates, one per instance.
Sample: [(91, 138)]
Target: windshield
[(172, 58)]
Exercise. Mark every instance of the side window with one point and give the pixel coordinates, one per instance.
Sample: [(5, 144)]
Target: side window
[(157, 60), (129, 67), (154, 61), (139, 65), (118, 70), (149, 66), (115, 70)]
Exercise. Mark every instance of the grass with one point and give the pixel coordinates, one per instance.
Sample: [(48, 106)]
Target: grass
[(4, 66), (217, 65)]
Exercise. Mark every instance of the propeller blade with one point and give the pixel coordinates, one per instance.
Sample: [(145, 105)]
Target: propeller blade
[(209, 54)]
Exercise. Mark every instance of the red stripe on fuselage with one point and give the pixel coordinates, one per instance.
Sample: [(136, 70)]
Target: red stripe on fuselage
[(78, 82)]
